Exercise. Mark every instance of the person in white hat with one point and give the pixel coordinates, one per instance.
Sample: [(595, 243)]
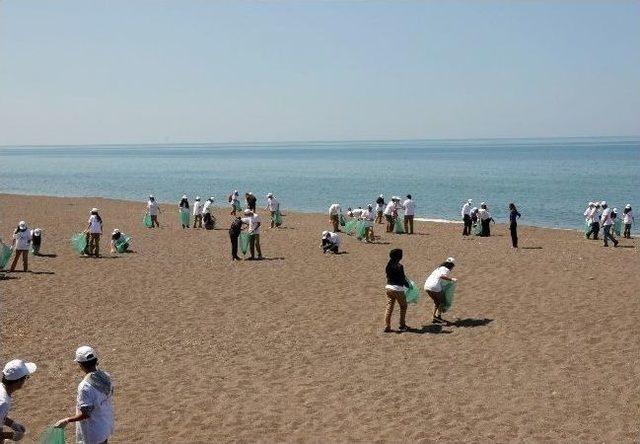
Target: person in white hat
[(465, 212), (116, 238), (485, 219), (14, 375), (380, 204), (197, 213), (153, 209), (369, 217), (273, 206), (627, 220), (334, 216), (183, 209), (94, 404), (94, 230), (253, 221), (607, 221), (433, 287), (591, 218), (391, 213), (36, 241), (207, 215), (251, 200), (21, 245), (409, 208), (235, 202), (330, 242)]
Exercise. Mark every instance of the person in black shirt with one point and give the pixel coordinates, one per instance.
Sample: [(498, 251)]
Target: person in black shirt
[(251, 201), (397, 283), (380, 204), (234, 234), (513, 224)]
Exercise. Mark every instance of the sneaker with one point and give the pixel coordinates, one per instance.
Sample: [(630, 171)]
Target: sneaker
[(404, 328), (387, 330)]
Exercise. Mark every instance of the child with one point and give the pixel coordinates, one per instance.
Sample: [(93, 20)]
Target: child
[(36, 241), (627, 220)]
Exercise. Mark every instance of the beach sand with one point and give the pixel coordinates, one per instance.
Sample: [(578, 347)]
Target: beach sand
[(546, 346)]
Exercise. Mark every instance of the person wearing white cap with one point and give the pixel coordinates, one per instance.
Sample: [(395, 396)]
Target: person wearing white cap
[(409, 207), (391, 213), (153, 209), (94, 230), (21, 245), (116, 238), (235, 202), (14, 375), (591, 218), (607, 221), (627, 220), (334, 216), (433, 287), (369, 217), (465, 212), (253, 221), (380, 204), (330, 242), (94, 404), (197, 213), (207, 215), (36, 241), (251, 201), (273, 206), (485, 219), (183, 209)]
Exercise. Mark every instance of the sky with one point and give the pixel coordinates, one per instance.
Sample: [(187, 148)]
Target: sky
[(187, 71)]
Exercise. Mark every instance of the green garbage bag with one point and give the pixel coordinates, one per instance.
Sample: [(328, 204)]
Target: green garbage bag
[(244, 242), (343, 221), (361, 229), (277, 218), (123, 243), (477, 229), (617, 227), (184, 217), (413, 293), (5, 255), (147, 221), (53, 435), (398, 228), (448, 288), (79, 242), (350, 226), (237, 205), (587, 227)]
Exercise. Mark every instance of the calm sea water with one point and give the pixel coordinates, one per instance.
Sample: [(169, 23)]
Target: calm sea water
[(550, 180)]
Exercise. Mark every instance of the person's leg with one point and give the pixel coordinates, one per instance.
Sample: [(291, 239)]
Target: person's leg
[(606, 235), (389, 223), (273, 223), (16, 256), (234, 246), (411, 224), (25, 260), (596, 230), (405, 222), (252, 246), (436, 297), (97, 244), (627, 231), (514, 236), (391, 300), (257, 241), (334, 249), (402, 302)]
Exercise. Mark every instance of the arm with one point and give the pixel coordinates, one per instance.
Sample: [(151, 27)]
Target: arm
[(79, 416)]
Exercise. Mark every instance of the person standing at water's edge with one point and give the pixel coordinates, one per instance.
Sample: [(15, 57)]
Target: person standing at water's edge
[(273, 206), (513, 224), (14, 376), (606, 221), (627, 220), (591, 218), (95, 230), (485, 220), (197, 213), (409, 207), (466, 217), (153, 209), (254, 222), (183, 209), (21, 244), (251, 201), (397, 284), (334, 217), (379, 208), (433, 287)]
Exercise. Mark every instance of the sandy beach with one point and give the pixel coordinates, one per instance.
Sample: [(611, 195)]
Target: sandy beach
[(545, 345)]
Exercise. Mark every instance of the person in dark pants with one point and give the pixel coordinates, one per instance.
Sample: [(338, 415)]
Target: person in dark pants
[(234, 234), (485, 219), (513, 224), (466, 218), (607, 224), (251, 201)]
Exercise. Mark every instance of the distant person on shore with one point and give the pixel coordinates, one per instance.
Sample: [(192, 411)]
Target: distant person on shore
[(433, 287), (380, 205), (21, 245), (153, 209), (183, 208), (208, 218), (513, 224), (234, 200), (197, 213), (391, 213), (14, 376), (357, 213), (485, 219), (466, 217), (234, 233), (251, 201), (627, 220), (273, 206), (607, 221), (397, 284), (253, 222), (330, 242), (94, 229), (334, 216), (116, 238), (409, 207), (94, 404), (591, 218), (369, 217), (36, 241)]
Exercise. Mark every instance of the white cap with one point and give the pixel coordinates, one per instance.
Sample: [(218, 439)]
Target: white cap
[(22, 224), (382, 195), (249, 192), (269, 194), (592, 204), (247, 211), (16, 369), (452, 260), (184, 196), (37, 231), (469, 200), (85, 353), (94, 210), (235, 191), (151, 196), (482, 203), (211, 198), (604, 202), (615, 210), (197, 197), (325, 233), (627, 206), (115, 230)]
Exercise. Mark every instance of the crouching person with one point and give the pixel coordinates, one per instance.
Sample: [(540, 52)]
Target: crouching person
[(330, 242)]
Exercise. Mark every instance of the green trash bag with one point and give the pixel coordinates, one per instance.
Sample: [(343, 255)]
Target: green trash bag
[(5, 255), (350, 226), (123, 243), (237, 206), (244, 242), (184, 218), (587, 227), (343, 221), (79, 242), (413, 293), (147, 221), (617, 227), (53, 435), (448, 288), (277, 218), (477, 229), (361, 229), (398, 228)]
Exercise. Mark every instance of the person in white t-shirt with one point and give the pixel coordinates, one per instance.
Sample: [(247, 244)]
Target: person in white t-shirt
[(590, 217), (234, 200), (391, 213), (273, 206), (369, 217), (485, 219), (207, 214), (330, 242), (433, 287), (380, 205), (197, 213), (465, 212), (627, 220), (357, 213), (253, 222), (21, 245), (153, 209), (94, 229), (14, 376), (606, 221), (334, 216), (94, 404), (409, 207)]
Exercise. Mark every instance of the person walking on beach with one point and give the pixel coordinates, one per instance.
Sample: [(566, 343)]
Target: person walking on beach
[(36, 241), (397, 284), (94, 404), (273, 206), (153, 209), (253, 221), (369, 217), (380, 204), (513, 224), (14, 376), (627, 220), (234, 201), (409, 207), (330, 242), (197, 213), (466, 217), (607, 222), (591, 218), (334, 216), (433, 287), (234, 233), (485, 219), (95, 230), (21, 245), (183, 208), (251, 201), (390, 213)]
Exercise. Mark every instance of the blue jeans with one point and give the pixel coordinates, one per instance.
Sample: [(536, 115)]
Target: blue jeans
[(607, 235)]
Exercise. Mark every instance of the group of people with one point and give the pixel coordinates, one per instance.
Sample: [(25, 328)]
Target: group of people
[(598, 215), (24, 240), (478, 220), (202, 212), (93, 417)]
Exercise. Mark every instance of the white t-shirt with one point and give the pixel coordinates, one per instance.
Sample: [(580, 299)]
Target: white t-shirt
[(358, 212), (390, 208), (605, 219), (591, 215), (253, 222), (433, 281), (627, 217), (207, 205), (5, 404), (23, 239), (273, 204), (369, 215), (95, 226), (334, 209), (409, 207), (99, 426), (466, 210), (483, 214), (334, 238), (153, 208), (197, 207)]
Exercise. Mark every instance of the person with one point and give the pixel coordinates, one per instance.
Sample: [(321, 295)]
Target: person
[(357, 213), (369, 217), (485, 219), (380, 204), (251, 201), (466, 217), (334, 216), (390, 212), (433, 287), (208, 218), (513, 224), (273, 206), (627, 220), (330, 242), (95, 230), (14, 375), (253, 221), (197, 213), (234, 201), (183, 208), (397, 284), (36, 241), (94, 404), (591, 218), (21, 245), (153, 209), (409, 207), (234, 234), (116, 238), (607, 222)]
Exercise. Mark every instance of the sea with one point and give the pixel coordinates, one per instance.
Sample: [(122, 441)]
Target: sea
[(550, 180)]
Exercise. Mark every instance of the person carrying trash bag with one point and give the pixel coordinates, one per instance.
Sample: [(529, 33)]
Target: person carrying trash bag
[(330, 242), (36, 241), (485, 219), (628, 220), (391, 213), (183, 211), (368, 219), (94, 230), (380, 206), (14, 376), (273, 206), (253, 222), (617, 222), (397, 285), (151, 218), (21, 246), (433, 287), (234, 233), (208, 218), (234, 200), (119, 242), (251, 201)]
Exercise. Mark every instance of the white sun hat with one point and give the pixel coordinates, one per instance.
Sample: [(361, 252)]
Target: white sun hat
[(17, 368), (22, 225), (451, 260), (37, 231), (94, 210), (325, 233), (115, 231), (197, 197), (469, 200), (247, 211), (85, 353), (269, 194), (627, 206)]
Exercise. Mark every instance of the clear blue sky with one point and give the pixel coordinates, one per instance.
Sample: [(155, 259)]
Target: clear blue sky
[(143, 71)]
